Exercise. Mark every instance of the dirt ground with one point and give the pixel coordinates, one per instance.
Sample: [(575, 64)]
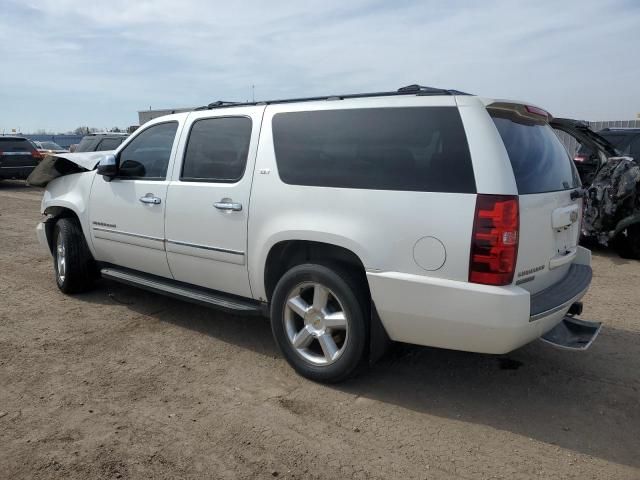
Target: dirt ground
[(121, 383)]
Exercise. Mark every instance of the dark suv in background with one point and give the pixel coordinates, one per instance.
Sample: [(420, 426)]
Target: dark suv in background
[(626, 142), (18, 157), (99, 142)]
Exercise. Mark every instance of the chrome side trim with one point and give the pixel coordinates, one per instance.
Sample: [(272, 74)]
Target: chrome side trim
[(205, 247), (128, 234)]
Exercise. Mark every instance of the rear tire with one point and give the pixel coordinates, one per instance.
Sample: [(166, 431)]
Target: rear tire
[(319, 319), (73, 263)]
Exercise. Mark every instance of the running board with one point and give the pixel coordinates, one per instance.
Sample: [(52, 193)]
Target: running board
[(171, 288)]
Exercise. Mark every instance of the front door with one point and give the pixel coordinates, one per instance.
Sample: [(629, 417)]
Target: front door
[(208, 199), (127, 213)]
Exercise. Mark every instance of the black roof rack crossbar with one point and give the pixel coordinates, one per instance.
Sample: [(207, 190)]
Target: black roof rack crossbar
[(408, 90)]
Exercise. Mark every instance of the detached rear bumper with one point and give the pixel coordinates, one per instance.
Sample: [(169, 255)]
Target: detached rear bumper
[(465, 316)]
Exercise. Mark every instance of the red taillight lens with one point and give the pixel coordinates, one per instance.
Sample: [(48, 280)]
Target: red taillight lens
[(494, 243), (36, 154), (538, 111)]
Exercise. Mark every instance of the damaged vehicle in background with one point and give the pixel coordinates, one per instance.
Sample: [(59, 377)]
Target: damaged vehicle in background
[(610, 181)]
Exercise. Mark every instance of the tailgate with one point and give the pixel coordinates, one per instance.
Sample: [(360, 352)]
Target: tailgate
[(549, 234), (545, 176)]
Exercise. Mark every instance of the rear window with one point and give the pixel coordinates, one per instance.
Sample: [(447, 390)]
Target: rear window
[(411, 149), (87, 144), (15, 145), (539, 160)]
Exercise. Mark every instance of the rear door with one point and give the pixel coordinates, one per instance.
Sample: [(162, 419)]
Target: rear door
[(208, 199), (545, 176)]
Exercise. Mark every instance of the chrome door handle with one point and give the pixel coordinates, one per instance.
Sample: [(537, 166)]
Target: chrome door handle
[(151, 199), (228, 204)]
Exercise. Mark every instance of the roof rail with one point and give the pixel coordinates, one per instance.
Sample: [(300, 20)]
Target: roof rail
[(407, 90)]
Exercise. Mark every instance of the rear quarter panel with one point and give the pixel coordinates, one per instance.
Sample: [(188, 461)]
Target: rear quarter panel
[(381, 227)]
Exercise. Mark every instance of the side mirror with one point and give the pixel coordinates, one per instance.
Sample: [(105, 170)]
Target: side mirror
[(108, 167)]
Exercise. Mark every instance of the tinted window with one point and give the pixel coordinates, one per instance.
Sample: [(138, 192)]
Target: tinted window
[(87, 144), (415, 149), (539, 160), (147, 155), (15, 145), (109, 144), (634, 151), (620, 140), (217, 150)]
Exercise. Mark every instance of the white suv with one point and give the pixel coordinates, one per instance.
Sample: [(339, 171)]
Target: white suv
[(429, 216)]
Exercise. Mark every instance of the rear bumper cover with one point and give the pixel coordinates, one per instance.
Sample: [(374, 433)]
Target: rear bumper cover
[(465, 316), (563, 294)]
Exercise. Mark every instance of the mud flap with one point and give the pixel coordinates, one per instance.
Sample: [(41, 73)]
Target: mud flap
[(379, 340), (572, 334)]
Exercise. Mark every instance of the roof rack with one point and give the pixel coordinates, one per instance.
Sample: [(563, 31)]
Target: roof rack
[(408, 90)]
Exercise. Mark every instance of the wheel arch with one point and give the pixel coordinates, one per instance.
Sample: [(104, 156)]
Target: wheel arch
[(286, 254), (54, 213)]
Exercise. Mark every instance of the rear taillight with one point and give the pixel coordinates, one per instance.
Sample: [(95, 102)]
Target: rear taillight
[(494, 243), (36, 154)]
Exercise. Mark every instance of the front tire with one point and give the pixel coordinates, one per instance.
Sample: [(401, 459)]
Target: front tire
[(319, 320), (628, 246), (72, 261)]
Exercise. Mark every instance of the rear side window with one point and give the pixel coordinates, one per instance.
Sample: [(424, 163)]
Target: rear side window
[(15, 145), (87, 144), (217, 150), (412, 149), (539, 160), (109, 144)]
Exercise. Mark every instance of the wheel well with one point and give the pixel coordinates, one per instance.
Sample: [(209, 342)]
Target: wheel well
[(54, 214), (287, 254)]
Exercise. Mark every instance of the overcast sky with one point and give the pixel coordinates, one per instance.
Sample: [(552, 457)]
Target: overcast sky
[(66, 63)]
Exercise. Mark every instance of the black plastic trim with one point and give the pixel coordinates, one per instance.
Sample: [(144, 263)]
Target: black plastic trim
[(561, 294)]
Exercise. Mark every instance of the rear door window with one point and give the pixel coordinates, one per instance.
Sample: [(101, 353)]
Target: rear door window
[(217, 150), (539, 160), (411, 149)]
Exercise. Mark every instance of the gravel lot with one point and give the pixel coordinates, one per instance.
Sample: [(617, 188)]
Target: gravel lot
[(120, 383)]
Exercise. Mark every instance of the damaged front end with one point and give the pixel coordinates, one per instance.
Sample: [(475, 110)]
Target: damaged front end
[(58, 165), (613, 202)]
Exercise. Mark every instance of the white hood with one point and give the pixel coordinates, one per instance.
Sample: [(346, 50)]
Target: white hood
[(58, 164), (86, 160)]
